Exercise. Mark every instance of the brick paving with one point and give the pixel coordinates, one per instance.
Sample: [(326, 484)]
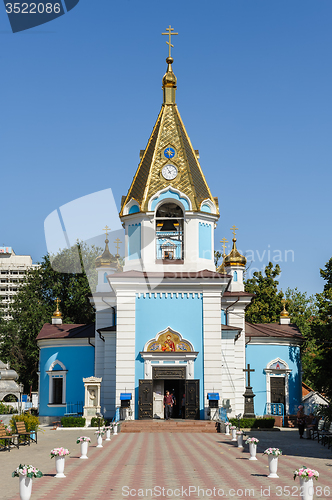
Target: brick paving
[(181, 463)]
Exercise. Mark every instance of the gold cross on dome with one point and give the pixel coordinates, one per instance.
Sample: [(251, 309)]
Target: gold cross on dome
[(234, 228), (57, 301), (223, 244), (117, 241), (169, 29), (106, 228)]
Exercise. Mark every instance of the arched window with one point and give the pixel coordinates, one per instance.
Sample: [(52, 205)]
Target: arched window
[(235, 276), (169, 232), (57, 383)]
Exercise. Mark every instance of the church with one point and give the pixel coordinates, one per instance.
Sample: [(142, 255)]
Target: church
[(169, 320)]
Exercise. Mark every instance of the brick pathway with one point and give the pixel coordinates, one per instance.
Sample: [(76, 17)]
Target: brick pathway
[(181, 463)]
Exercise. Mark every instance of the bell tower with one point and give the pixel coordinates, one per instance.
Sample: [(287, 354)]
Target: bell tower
[(169, 213)]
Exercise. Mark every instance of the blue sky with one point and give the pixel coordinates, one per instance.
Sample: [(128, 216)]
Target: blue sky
[(81, 94)]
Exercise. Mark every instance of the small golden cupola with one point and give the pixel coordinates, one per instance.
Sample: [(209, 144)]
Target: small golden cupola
[(284, 316), (169, 79), (57, 315), (234, 258), (235, 264), (106, 259)]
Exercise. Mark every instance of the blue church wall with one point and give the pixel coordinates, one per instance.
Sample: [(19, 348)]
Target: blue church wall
[(170, 194), (258, 356), (183, 314), (79, 363), (134, 241), (205, 241)]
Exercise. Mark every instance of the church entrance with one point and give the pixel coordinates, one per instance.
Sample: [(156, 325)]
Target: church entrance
[(152, 392)]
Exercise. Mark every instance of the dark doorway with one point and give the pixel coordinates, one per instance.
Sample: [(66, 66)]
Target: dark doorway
[(145, 395), (277, 385), (177, 388), (192, 399)]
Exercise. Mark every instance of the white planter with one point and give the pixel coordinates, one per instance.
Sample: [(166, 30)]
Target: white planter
[(306, 488), (240, 440), (115, 430), (99, 441), (25, 487), (273, 466), (108, 434), (252, 451), (227, 429), (84, 449), (234, 435), (59, 466)]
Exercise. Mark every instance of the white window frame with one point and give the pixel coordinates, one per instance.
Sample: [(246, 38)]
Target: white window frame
[(277, 373), (52, 374)]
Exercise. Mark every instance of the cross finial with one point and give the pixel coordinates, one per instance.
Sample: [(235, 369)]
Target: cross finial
[(117, 241), (57, 301), (248, 370), (169, 29), (106, 228), (223, 244), (234, 228)]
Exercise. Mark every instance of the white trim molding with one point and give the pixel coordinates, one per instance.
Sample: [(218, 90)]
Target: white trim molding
[(282, 371), (170, 199), (56, 374)]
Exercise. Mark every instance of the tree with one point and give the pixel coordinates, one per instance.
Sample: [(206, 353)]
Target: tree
[(321, 335), (267, 305), (33, 306)]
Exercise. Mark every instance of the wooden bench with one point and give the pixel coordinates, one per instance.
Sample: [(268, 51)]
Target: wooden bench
[(7, 439), (321, 433), (23, 433)]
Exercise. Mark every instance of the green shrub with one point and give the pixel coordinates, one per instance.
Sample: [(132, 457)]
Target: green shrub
[(31, 422), (254, 423), (73, 422), (6, 410), (96, 421)]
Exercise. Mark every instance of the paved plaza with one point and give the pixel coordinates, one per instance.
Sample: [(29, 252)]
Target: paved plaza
[(186, 465)]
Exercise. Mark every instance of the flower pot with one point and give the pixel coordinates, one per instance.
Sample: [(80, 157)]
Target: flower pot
[(252, 451), (273, 466), (234, 435), (84, 449), (115, 430), (25, 487), (240, 440), (99, 441), (59, 466), (227, 429), (108, 434), (306, 488)]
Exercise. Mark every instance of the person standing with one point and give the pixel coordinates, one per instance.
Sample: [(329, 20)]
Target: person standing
[(300, 420), (168, 403)]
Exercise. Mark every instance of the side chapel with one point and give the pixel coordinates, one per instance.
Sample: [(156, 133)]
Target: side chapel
[(169, 320)]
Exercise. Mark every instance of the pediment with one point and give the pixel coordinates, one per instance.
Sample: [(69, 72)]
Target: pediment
[(168, 340)]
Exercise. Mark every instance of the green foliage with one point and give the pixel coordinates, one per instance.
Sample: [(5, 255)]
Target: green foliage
[(73, 422), (267, 305), (324, 411), (321, 335), (31, 422), (254, 423), (33, 306), (7, 410), (96, 422), (217, 257)]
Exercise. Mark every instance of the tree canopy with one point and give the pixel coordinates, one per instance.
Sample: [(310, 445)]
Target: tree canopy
[(33, 306), (267, 305)]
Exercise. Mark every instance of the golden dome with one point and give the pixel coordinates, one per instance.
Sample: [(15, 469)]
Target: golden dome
[(234, 258), (284, 313), (57, 313), (106, 259), (169, 79)]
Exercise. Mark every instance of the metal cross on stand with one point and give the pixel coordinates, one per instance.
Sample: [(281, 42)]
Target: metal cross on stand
[(117, 242), (234, 228), (248, 370), (106, 228), (223, 244)]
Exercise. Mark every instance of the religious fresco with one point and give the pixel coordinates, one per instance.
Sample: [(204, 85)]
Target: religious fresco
[(169, 342)]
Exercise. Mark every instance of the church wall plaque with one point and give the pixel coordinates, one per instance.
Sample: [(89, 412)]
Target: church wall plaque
[(167, 373)]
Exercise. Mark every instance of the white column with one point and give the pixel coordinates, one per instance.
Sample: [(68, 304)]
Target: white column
[(125, 345), (212, 344)]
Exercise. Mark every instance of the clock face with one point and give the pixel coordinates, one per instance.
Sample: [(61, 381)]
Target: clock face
[(169, 172)]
